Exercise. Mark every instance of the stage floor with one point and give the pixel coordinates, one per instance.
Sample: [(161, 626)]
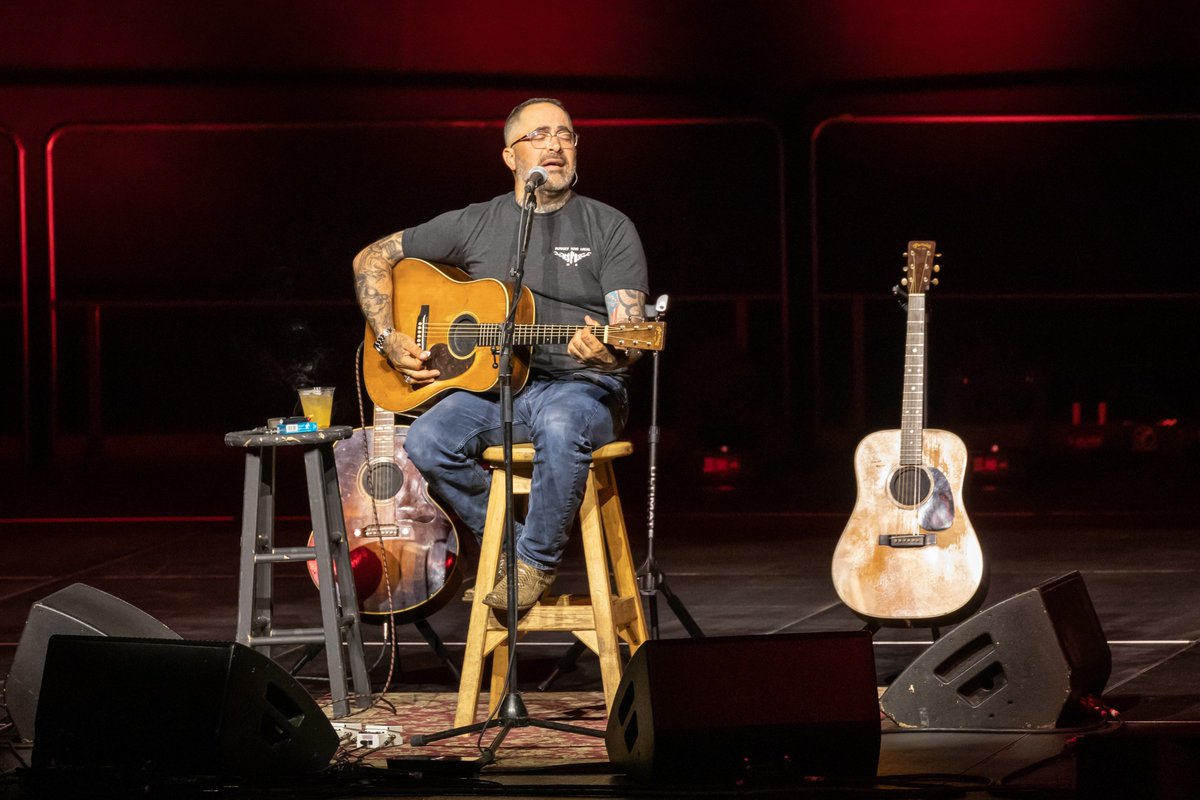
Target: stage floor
[(739, 565)]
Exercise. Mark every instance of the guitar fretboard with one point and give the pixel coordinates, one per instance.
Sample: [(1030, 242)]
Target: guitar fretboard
[(383, 451), (912, 410), (383, 435), (487, 334)]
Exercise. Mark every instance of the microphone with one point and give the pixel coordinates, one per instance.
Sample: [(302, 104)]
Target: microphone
[(537, 176)]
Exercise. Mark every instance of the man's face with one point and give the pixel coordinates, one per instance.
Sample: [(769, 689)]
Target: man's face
[(557, 157)]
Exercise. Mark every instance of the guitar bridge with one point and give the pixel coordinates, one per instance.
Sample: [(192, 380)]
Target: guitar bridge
[(402, 531), (907, 539), (422, 332)]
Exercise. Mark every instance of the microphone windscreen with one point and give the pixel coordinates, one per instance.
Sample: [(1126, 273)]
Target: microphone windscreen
[(537, 176)]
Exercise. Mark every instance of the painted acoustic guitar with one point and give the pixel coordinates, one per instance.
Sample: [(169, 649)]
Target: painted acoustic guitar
[(458, 321), (909, 554), (391, 520)]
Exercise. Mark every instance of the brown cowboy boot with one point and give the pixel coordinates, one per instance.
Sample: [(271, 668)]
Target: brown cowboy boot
[(532, 583), (469, 594)]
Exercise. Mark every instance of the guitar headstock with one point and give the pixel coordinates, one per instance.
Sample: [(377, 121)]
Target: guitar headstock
[(637, 335), (920, 272)]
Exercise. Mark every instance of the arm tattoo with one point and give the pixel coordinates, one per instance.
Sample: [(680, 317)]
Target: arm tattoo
[(392, 247), (626, 305), (373, 279)]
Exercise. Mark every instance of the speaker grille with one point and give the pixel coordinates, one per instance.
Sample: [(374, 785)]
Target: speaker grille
[(700, 709), (178, 708)]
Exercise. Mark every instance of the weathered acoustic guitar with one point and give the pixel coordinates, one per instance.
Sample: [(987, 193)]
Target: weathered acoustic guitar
[(403, 546), (909, 555)]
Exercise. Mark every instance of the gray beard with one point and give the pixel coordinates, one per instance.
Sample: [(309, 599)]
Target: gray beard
[(553, 202)]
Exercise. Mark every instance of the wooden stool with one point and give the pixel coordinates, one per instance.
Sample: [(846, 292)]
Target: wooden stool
[(596, 620), (339, 632)]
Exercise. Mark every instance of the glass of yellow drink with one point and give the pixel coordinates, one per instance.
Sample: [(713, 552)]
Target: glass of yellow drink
[(317, 402)]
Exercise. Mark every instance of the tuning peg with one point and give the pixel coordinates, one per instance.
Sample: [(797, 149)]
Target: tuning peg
[(904, 281), (937, 255), (937, 267), (934, 281), (904, 254)]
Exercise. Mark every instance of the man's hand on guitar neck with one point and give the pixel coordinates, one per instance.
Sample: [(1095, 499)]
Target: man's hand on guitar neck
[(624, 305), (585, 348)]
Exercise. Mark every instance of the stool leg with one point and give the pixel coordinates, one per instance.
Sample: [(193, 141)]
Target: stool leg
[(485, 579), (500, 658), (330, 616), (255, 584), (620, 558), (347, 593), (591, 527)]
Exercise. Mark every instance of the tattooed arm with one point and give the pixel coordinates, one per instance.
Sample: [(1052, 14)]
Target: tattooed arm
[(373, 279), (373, 285), (624, 305)]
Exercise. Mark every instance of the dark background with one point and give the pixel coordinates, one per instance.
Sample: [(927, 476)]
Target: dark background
[(183, 186)]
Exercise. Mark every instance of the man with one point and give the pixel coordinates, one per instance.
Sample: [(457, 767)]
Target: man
[(585, 262)]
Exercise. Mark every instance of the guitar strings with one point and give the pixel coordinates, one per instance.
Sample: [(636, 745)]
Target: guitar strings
[(493, 328), (525, 325), (487, 334), (915, 348)]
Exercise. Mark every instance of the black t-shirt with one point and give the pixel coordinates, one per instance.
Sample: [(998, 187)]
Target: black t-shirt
[(577, 254)]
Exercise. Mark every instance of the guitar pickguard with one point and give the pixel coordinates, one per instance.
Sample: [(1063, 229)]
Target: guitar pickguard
[(442, 359), (926, 491), (937, 513)]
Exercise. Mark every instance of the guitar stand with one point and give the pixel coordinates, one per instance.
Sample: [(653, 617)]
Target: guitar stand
[(873, 628), (434, 641), (651, 579), (431, 638), (427, 633)]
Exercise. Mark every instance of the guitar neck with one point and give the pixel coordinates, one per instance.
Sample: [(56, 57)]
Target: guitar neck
[(555, 334), (382, 452), (627, 335), (912, 409), (383, 435)]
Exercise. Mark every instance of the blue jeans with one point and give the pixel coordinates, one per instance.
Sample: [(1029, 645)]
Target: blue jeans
[(565, 419)]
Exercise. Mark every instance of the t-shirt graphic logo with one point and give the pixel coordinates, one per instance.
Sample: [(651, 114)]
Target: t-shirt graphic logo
[(572, 255)]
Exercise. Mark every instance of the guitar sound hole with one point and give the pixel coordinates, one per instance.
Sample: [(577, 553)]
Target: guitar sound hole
[(464, 336), (910, 486), (383, 481)]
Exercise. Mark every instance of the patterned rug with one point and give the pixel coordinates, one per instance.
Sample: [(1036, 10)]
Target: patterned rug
[(524, 748)]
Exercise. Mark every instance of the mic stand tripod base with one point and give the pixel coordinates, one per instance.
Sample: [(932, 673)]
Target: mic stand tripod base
[(651, 581), (512, 714)]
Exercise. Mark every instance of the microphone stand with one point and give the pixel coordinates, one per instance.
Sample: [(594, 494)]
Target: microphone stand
[(511, 711), (650, 577)]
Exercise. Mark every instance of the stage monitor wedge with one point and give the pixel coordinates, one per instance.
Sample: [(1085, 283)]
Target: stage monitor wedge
[(175, 708), (77, 610), (723, 708), (1021, 664)]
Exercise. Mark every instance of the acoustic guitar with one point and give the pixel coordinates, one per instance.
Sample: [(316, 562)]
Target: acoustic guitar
[(458, 320), (909, 554), (392, 522)]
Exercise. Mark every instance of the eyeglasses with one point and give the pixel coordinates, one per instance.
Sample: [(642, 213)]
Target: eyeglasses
[(540, 138)]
